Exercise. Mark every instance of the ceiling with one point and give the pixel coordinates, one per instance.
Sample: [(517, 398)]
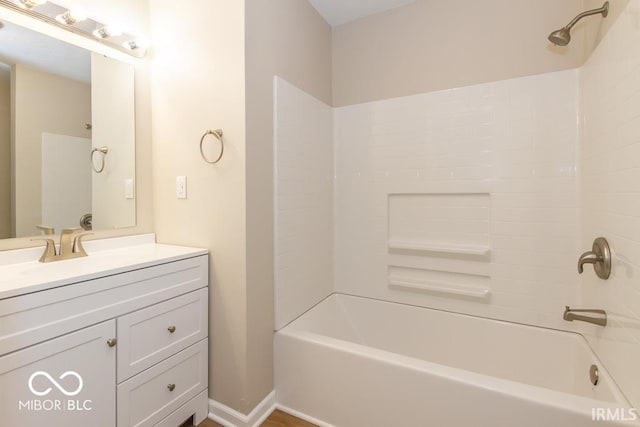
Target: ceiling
[(337, 12), (24, 46)]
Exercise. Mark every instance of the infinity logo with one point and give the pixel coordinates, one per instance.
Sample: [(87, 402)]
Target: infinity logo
[(55, 383)]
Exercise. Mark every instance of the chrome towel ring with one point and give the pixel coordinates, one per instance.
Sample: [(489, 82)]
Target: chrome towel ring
[(218, 135), (103, 153)]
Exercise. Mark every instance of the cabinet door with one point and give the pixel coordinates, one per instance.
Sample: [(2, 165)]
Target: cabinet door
[(66, 381)]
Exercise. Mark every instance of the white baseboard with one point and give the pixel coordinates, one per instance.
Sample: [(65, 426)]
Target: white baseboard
[(229, 417), (302, 416)]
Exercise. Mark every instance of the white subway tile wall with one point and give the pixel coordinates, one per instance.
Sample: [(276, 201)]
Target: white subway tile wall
[(515, 141), (610, 82), (303, 201)]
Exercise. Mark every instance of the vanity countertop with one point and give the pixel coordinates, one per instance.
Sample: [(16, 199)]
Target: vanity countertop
[(21, 273)]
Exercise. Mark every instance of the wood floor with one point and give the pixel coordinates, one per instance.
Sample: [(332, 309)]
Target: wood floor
[(276, 419)]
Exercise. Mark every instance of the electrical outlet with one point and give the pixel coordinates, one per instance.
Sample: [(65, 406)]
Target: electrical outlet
[(181, 187)]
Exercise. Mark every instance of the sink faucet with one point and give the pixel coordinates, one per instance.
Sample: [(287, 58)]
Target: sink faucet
[(70, 246), (570, 315)]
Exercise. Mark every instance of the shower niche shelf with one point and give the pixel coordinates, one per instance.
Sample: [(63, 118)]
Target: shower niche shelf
[(445, 225), (442, 288), (440, 248), (471, 286)]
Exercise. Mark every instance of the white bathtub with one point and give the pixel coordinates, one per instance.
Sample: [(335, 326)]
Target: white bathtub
[(353, 362)]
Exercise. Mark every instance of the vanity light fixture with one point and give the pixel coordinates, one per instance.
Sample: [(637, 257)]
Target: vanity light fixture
[(29, 4), (76, 21), (70, 17)]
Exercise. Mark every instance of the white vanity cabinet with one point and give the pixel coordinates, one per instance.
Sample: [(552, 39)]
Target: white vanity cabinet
[(125, 346)]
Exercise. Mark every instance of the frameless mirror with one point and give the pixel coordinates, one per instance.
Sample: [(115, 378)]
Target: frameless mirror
[(67, 137)]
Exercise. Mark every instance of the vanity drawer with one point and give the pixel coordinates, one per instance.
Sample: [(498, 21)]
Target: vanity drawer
[(149, 397), (150, 335)]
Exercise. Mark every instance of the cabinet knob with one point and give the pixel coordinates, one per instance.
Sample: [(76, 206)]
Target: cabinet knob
[(171, 387), (111, 342), (171, 329)]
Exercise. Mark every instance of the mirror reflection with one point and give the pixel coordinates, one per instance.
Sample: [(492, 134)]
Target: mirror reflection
[(67, 137)]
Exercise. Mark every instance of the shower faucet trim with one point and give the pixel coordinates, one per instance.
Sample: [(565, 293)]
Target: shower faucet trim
[(599, 256)]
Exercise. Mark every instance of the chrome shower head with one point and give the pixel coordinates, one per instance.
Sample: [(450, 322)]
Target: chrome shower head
[(562, 37)]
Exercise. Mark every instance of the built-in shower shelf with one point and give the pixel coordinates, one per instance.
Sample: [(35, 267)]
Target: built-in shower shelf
[(477, 251), (441, 288)]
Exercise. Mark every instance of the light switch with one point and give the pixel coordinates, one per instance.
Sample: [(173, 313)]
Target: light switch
[(181, 187), (128, 188)]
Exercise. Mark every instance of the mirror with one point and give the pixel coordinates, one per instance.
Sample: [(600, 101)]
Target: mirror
[(67, 137)]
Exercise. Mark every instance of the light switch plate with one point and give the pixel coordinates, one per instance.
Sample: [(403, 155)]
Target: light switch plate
[(128, 188), (181, 187)]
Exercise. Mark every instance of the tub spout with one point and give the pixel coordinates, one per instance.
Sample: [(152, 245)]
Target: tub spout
[(570, 315)]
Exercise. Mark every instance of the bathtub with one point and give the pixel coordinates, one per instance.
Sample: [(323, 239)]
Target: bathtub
[(353, 362)]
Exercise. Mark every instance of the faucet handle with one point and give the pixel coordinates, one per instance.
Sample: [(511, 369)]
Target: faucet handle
[(599, 256), (588, 257), (77, 244), (49, 251), (46, 229)]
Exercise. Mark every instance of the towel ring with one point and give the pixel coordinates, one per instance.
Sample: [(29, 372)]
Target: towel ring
[(218, 135), (103, 151)]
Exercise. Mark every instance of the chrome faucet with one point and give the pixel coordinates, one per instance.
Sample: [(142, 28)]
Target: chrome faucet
[(570, 315), (70, 246)]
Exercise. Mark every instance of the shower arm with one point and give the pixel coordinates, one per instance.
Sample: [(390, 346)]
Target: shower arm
[(604, 10)]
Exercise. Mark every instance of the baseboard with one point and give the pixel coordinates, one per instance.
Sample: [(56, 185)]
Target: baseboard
[(229, 417), (302, 416)]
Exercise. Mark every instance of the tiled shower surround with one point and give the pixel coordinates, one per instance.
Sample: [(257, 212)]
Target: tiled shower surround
[(493, 228), (468, 196), (304, 201), (610, 173), (480, 199)]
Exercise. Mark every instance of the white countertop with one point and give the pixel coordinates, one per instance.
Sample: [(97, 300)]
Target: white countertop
[(21, 273)]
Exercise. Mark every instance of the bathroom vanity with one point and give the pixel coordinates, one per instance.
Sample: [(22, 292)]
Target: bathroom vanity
[(116, 338)]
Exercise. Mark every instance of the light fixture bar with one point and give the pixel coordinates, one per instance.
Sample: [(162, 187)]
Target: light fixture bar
[(29, 4), (62, 18)]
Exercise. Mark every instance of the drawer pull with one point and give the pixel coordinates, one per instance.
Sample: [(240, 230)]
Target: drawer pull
[(171, 387), (111, 342), (171, 329)]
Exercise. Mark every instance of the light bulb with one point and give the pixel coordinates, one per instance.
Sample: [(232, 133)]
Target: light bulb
[(107, 31), (70, 17), (135, 44)]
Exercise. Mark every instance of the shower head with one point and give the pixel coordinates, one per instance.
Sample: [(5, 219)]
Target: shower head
[(562, 37)]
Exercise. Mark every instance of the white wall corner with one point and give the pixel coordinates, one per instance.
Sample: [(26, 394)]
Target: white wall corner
[(229, 417)]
